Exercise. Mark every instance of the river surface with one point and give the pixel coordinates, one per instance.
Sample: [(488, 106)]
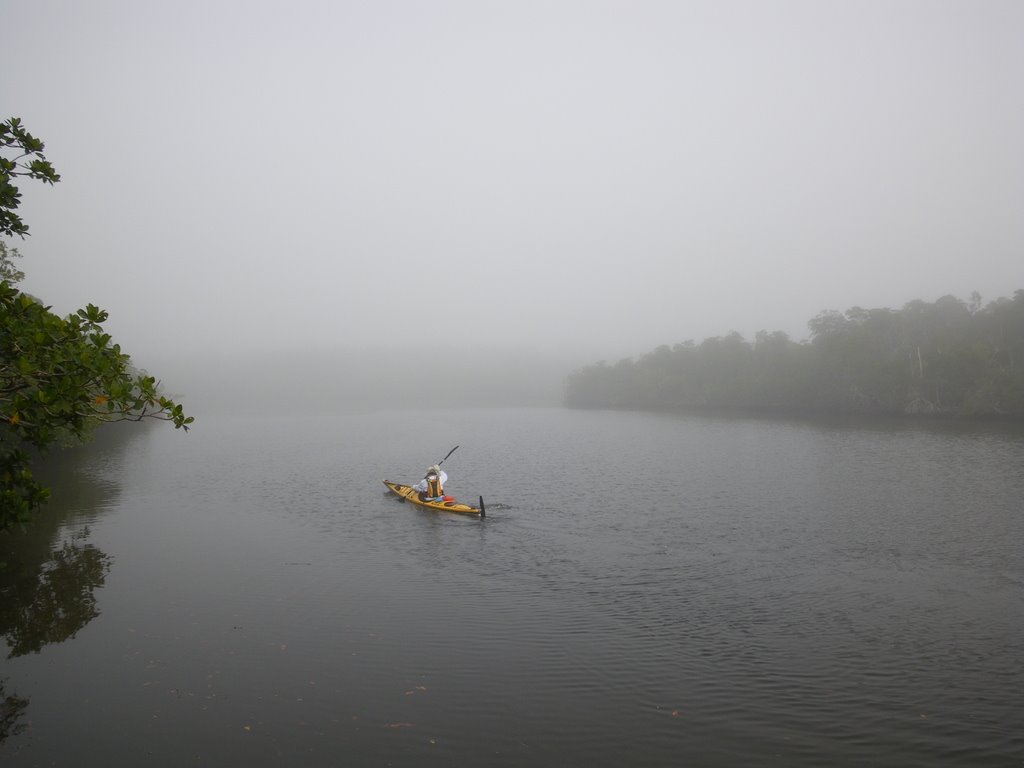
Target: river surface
[(646, 590)]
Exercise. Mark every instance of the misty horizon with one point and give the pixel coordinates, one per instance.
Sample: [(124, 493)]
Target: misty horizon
[(567, 177)]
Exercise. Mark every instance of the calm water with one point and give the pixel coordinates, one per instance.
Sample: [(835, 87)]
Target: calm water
[(646, 591)]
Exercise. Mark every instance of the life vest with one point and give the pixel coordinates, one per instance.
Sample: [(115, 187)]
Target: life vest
[(434, 487)]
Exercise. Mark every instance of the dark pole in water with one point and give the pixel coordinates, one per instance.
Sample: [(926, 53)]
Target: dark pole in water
[(483, 511)]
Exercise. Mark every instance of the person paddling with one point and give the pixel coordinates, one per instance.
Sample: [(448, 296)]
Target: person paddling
[(431, 487)]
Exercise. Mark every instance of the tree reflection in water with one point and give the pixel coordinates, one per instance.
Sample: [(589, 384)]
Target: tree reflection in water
[(49, 573), (50, 601), (12, 707)]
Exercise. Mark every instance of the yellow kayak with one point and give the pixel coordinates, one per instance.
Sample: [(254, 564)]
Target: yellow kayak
[(406, 493)]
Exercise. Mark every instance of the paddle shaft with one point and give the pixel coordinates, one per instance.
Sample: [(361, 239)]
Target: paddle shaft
[(449, 454)]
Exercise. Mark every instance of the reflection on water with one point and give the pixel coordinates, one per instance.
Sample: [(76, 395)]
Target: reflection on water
[(49, 601), (12, 708), (49, 571)]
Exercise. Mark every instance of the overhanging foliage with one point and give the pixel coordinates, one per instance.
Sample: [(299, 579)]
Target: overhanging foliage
[(59, 376)]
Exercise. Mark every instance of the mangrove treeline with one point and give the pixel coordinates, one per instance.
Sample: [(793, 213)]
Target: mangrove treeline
[(943, 358)]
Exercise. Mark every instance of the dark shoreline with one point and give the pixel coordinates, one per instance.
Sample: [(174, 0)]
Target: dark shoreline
[(816, 416)]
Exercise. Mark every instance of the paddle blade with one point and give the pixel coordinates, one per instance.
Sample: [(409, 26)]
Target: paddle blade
[(483, 510)]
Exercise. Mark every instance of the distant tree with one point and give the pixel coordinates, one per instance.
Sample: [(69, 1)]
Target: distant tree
[(58, 376), (946, 357), (8, 272), (779, 371)]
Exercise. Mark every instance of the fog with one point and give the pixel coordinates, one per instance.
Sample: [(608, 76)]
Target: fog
[(494, 188), (326, 380)]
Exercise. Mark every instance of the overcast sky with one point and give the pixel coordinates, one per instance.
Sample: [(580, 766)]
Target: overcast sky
[(605, 176)]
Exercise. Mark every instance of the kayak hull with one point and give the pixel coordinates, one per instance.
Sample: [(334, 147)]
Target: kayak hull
[(406, 493)]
